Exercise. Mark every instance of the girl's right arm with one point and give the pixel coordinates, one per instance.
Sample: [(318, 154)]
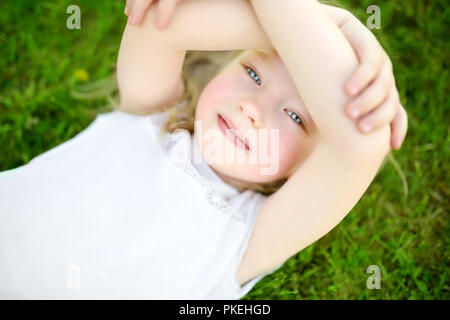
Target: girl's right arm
[(150, 61)]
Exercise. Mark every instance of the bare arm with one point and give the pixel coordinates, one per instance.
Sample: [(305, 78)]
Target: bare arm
[(341, 167), (319, 59), (150, 60)]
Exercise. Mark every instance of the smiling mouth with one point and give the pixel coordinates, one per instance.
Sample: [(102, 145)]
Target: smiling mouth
[(223, 125)]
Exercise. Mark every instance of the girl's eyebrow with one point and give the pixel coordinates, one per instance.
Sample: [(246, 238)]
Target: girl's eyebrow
[(264, 55)]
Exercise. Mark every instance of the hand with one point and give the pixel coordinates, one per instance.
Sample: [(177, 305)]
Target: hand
[(372, 86), (136, 10)]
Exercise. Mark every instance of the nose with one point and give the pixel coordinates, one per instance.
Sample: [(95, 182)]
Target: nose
[(252, 112)]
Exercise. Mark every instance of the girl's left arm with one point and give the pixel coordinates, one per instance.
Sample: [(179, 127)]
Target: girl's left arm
[(320, 60), (330, 182)]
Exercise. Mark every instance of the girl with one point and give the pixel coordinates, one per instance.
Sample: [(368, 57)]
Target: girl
[(144, 204)]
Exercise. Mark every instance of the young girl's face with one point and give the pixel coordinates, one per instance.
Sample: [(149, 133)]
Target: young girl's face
[(264, 105)]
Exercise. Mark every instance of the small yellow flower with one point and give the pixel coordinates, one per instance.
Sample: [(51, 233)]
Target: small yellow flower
[(81, 75)]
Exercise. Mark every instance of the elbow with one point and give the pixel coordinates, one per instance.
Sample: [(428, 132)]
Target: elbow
[(377, 144), (372, 146), (138, 101), (133, 100), (342, 131), (143, 101)]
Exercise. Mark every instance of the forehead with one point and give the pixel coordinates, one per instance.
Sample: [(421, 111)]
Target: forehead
[(265, 55), (262, 53), (271, 68)]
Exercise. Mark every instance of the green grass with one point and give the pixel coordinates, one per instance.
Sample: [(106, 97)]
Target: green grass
[(400, 222)]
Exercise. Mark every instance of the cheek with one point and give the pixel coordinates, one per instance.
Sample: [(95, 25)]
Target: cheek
[(215, 96), (289, 152)]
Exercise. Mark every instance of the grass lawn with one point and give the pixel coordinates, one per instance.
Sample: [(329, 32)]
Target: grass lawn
[(398, 225)]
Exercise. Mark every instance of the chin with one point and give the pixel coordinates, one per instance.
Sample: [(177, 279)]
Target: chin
[(250, 177)]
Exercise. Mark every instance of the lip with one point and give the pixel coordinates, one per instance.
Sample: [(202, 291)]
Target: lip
[(225, 123)]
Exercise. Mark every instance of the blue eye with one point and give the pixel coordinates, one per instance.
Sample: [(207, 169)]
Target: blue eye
[(253, 74), (295, 117)]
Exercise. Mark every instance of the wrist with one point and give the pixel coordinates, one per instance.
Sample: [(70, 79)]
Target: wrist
[(215, 25), (339, 16)]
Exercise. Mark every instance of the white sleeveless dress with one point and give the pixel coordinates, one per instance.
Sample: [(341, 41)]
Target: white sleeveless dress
[(117, 213)]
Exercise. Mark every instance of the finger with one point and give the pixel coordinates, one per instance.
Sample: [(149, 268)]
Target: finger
[(165, 12), (127, 7), (382, 115), (371, 56), (399, 127), (363, 75), (138, 10), (372, 96)]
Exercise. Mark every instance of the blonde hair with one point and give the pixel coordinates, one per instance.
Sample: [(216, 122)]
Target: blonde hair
[(199, 68)]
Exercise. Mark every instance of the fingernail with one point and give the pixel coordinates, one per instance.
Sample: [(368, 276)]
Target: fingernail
[(353, 90), (158, 24), (366, 127), (133, 18), (354, 112)]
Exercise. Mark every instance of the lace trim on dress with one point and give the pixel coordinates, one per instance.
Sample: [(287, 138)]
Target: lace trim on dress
[(179, 151), (180, 148)]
